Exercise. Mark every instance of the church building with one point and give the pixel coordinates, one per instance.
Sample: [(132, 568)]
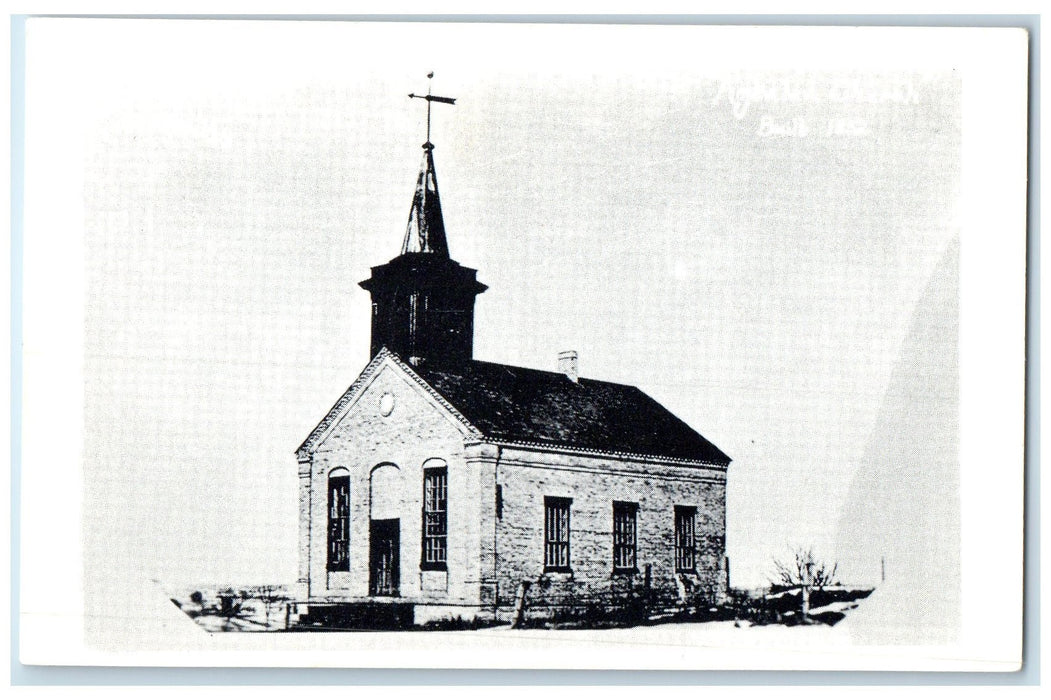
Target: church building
[(443, 486)]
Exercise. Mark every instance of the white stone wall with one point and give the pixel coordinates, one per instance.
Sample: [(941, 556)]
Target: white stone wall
[(488, 557), (416, 431), (516, 553)]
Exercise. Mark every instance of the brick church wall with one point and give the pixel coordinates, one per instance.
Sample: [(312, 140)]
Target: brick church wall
[(490, 556), (516, 553), (411, 437)]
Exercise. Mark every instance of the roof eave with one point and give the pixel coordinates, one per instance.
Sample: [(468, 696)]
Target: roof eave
[(611, 454)]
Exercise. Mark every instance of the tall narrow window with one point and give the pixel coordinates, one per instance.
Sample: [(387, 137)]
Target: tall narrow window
[(684, 538), (556, 533), (435, 518), (338, 521), (624, 536)]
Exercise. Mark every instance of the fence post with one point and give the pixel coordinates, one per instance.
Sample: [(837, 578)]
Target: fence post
[(805, 592), (520, 603)]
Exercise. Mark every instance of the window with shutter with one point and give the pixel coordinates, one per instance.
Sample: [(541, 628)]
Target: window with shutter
[(624, 519), (685, 518), (339, 522), (556, 534), (435, 518)]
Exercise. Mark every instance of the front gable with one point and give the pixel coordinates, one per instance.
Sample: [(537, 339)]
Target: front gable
[(384, 368)]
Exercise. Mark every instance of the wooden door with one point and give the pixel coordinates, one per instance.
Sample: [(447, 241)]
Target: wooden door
[(384, 546)]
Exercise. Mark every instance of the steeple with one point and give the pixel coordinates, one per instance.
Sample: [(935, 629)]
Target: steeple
[(423, 300), (425, 232)]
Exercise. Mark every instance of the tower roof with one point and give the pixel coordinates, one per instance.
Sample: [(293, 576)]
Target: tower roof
[(425, 232)]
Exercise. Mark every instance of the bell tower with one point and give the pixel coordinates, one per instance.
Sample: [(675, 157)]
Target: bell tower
[(423, 300)]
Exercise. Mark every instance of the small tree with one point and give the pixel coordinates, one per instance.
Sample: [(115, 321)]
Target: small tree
[(804, 569), (806, 573)]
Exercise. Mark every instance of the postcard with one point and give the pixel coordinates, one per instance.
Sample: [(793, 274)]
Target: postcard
[(502, 345)]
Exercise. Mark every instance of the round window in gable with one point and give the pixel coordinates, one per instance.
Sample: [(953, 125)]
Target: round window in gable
[(386, 404)]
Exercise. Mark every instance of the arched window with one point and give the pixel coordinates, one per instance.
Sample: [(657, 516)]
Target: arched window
[(435, 515), (385, 494), (338, 519)]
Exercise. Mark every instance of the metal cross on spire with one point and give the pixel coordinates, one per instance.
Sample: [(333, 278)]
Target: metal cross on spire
[(431, 98), (425, 232)]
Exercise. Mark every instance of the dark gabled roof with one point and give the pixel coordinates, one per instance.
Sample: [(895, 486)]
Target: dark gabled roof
[(517, 404)]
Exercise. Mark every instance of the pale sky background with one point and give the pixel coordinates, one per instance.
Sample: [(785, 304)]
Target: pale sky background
[(642, 204)]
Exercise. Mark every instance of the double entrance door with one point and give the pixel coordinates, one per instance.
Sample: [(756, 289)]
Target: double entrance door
[(384, 545)]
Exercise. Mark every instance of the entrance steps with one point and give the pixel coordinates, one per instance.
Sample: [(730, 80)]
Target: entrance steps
[(348, 617)]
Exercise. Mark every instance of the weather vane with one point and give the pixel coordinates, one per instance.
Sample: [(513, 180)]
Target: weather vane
[(432, 98)]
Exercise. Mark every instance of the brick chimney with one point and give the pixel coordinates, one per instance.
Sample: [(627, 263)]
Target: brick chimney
[(567, 364)]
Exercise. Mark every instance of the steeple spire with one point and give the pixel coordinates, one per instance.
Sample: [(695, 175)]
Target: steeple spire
[(423, 300), (425, 232)]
